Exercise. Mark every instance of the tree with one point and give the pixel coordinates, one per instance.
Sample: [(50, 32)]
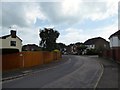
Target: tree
[(80, 49), (92, 52), (48, 39), (61, 47)]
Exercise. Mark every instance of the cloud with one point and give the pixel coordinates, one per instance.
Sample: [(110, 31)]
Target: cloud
[(12, 13), (29, 35), (106, 31), (24, 14), (21, 14), (31, 1), (72, 12), (73, 35)]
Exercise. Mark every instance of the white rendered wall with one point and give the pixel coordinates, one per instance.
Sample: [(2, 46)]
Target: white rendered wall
[(90, 46), (6, 43), (114, 41)]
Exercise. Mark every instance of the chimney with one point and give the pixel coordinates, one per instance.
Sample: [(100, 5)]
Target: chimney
[(13, 33)]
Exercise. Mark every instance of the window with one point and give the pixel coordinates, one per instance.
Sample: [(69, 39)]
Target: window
[(13, 43), (105, 45), (119, 37), (32, 49)]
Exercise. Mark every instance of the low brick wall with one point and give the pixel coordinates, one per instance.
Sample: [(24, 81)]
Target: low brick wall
[(117, 54), (0, 63), (113, 53), (28, 59)]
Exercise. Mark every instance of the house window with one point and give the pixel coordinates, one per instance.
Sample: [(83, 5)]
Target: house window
[(105, 45), (119, 37), (32, 49), (13, 43)]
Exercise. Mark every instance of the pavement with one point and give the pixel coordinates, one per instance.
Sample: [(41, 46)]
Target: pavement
[(110, 78)]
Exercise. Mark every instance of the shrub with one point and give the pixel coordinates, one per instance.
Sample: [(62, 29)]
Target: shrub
[(92, 52), (56, 50)]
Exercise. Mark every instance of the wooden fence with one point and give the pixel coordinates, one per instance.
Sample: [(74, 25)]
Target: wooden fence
[(27, 59)]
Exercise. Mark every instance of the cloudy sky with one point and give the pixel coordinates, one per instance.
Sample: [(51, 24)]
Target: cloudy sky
[(76, 20)]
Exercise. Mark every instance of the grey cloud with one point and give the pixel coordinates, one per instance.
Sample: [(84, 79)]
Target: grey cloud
[(119, 15), (0, 14), (13, 13), (54, 12)]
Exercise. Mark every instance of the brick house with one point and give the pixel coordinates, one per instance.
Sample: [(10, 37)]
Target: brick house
[(115, 40), (97, 43), (115, 45), (31, 47)]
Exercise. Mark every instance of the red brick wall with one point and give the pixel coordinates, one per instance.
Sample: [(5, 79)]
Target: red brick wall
[(0, 63), (118, 54), (113, 53)]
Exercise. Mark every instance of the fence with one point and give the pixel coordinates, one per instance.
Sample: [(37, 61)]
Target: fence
[(113, 53), (27, 59)]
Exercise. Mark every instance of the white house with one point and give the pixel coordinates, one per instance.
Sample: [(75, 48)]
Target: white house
[(11, 41), (115, 39), (74, 49)]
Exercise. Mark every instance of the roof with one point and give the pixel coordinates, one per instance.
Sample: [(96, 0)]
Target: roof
[(93, 40), (4, 37), (115, 34)]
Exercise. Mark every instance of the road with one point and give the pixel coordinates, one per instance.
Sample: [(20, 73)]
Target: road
[(76, 72)]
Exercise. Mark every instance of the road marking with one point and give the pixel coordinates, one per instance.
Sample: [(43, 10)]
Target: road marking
[(99, 76), (25, 74)]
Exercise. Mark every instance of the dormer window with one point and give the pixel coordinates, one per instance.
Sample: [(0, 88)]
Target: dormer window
[(13, 43)]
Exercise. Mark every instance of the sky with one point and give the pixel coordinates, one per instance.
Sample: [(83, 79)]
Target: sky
[(75, 20)]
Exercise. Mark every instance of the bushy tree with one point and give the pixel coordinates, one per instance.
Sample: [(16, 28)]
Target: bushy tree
[(80, 49), (61, 47), (48, 39), (92, 52)]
